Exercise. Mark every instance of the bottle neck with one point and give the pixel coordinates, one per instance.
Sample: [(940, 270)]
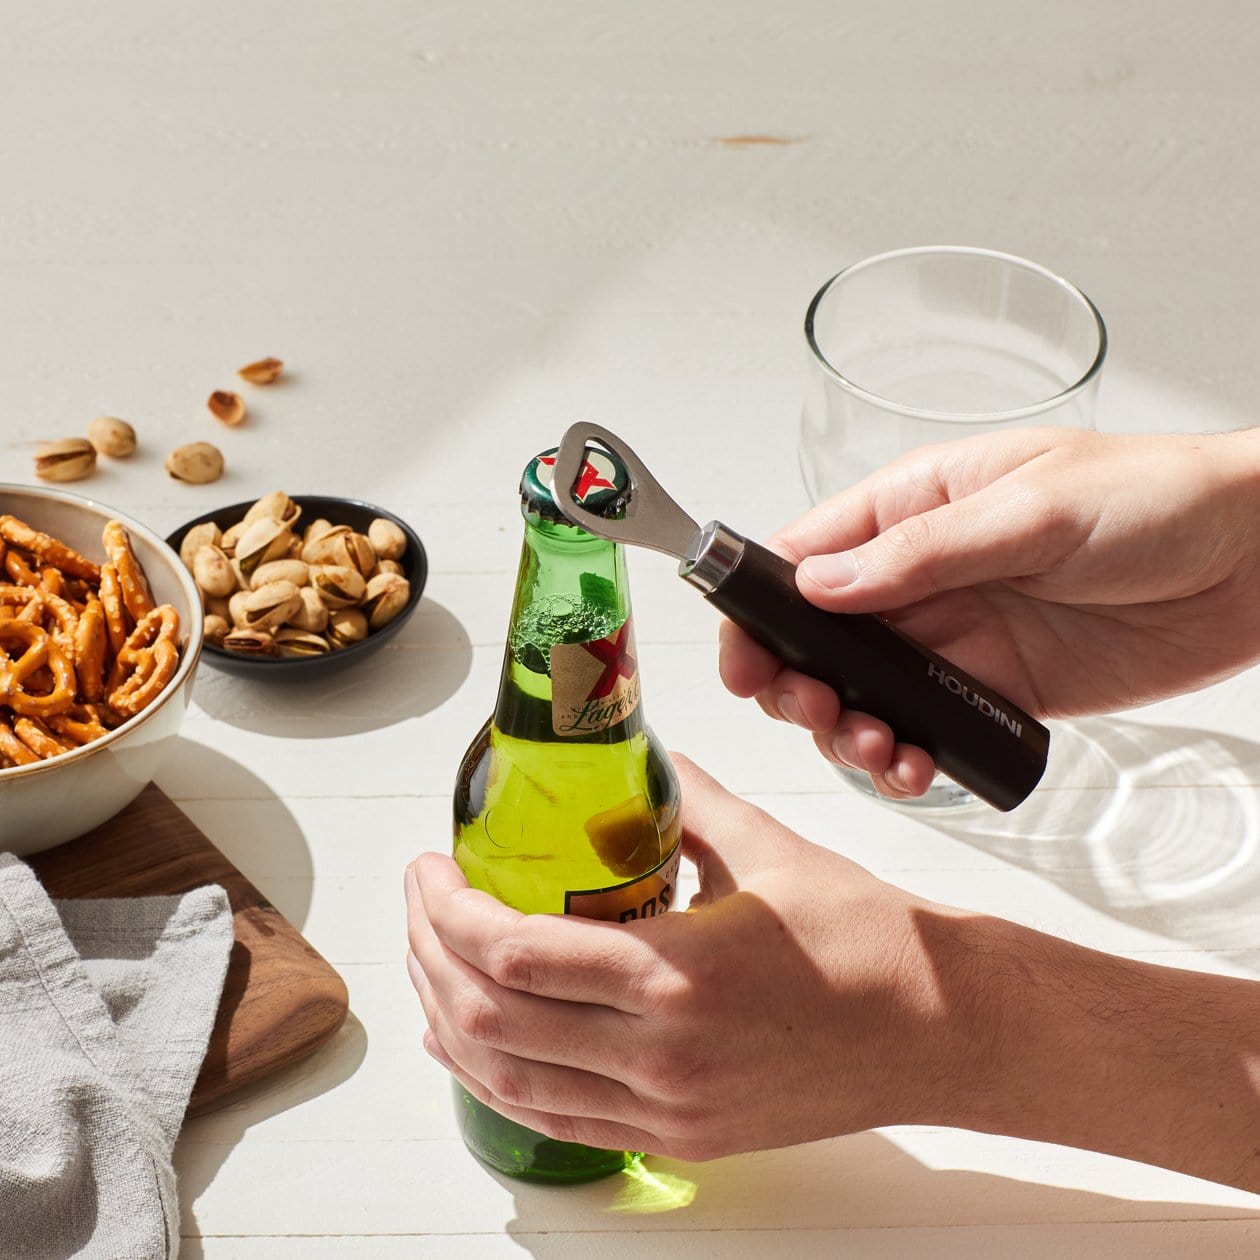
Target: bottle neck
[(569, 668)]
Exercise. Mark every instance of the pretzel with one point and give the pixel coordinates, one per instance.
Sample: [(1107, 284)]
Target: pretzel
[(146, 662), (43, 608), (47, 550), (18, 567), (136, 595), (12, 748), (78, 725), (90, 641), (115, 613), (38, 649), (38, 738)]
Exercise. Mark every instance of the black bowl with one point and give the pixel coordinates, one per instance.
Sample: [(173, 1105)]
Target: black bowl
[(358, 515)]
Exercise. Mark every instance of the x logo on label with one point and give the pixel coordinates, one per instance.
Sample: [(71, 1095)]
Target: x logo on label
[(588, 479), (613, 653)]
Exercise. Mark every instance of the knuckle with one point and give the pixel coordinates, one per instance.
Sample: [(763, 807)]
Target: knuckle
[(479, 1020), (511, 963), (507, 1083)]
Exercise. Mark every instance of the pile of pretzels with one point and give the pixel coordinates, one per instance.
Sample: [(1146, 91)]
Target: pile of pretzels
[(83, 647)]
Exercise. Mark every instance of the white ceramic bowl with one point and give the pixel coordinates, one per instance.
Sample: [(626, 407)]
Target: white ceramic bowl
[(56, 800)]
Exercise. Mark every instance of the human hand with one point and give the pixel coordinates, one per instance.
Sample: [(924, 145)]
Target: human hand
[(799, 997), (1072, 571)]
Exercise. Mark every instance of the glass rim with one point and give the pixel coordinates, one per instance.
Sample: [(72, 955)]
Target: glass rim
[(957, 417)]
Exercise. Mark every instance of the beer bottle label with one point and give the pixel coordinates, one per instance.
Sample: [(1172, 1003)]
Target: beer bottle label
[(594, 685), (650, 894)]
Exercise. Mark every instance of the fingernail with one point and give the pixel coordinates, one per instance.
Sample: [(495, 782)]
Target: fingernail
[(842, 750), (894, 779), (832, 571), (790, 709)]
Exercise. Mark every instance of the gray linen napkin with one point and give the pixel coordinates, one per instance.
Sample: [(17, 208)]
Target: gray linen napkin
[(106, 1009)]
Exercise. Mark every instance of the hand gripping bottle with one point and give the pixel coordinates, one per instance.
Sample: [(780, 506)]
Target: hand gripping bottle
[(565, 802)]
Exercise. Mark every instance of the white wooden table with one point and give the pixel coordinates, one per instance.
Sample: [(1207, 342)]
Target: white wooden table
[(465, 225)]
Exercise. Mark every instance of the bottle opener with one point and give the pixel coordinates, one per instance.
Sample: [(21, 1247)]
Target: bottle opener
[(983, 741)]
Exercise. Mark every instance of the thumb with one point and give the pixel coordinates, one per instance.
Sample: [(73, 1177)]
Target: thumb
[(991, 535), (727, 838)]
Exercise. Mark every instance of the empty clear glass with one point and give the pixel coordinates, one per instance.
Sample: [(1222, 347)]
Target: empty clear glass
[(933, 343)]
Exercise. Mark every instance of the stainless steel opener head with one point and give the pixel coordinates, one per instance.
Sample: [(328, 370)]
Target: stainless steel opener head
[(652, 519)]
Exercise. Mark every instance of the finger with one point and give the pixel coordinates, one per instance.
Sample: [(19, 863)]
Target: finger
[(998, 533), (859, 741), (602, 1134), (549, 956), (744, 666), (533, 1083), (909, 774)]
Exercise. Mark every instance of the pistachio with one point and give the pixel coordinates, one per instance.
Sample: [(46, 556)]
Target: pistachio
[(361, 552), (390, 566), (295, 548), (294, 571), (216, 628), (301, 643), (338, 585), (273, 507), (71, 459), (316, 528), (262, 541), (250, 642), (216, 606), (112, 437), (242, 582), (212, 571), (317, 543), (346, 626), (261, 371), (390, 541), (270, 606), (226, 406), (231, 536), (236, 609), (204, 535), (349, 549), (196, 463), (313, 615), (386, 596)]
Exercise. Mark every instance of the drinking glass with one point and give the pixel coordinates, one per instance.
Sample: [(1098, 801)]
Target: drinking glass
[(932, 343)]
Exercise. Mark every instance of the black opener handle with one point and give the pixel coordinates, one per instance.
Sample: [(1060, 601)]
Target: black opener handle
[(979, 738)]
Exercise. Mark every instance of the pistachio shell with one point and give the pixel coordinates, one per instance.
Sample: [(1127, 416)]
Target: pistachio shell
[(317, 527), (112, 437), (313, 615), (212, 571), (231, 536), (236, 609), (317, 543), (346, 626), (205, 534), (70, 459), (386, 596), (270, 606), (216, 607), (390, 566), (301, 643), (276, 506), (242, 582), (262, 540), (338, 585), (390, 542), (250, 642), (197, 463), (216, 628), (294, 571)]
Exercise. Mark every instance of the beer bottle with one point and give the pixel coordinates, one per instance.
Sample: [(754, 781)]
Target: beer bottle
[(565, 802)]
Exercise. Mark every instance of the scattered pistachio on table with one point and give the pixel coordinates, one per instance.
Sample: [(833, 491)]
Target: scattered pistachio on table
[(70, 459), (196, 463), (269, 590), (226, 406), (112, 437), (262, 371)]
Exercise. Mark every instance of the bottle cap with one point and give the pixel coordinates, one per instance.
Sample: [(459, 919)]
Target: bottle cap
[(601, 487)]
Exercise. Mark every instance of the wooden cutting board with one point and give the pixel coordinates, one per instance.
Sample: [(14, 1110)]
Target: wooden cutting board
[(281, 1000)]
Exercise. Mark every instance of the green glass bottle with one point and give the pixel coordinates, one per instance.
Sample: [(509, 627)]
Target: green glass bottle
[(565, 803)]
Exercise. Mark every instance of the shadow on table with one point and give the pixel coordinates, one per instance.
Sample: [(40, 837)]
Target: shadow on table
[(1156, 826), (207, 1140), (802, 1195), (420, 669), (246, 821)]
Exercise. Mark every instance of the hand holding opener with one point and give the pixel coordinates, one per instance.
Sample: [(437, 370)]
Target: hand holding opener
[(978, 737)]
